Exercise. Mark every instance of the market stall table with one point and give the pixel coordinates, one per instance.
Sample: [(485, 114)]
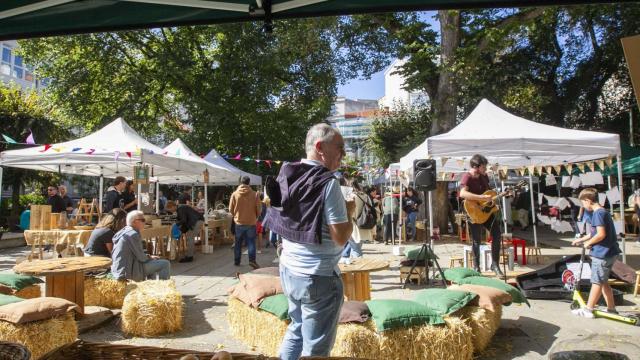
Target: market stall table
[(37, 239), (355, 277), (64, 276)]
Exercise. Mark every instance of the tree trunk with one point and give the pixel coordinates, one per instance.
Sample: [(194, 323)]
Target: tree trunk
[(441, 206), (445, 103)]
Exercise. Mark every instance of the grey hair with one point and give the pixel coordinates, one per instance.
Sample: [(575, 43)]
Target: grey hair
[(131, 217), (319, 132)]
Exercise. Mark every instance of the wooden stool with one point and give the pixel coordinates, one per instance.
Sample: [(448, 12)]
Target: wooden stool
[(417, 274), (455, 259), (470, 260), (535, 252), (637, 287)]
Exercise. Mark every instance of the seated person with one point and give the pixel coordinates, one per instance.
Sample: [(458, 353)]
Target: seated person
[(129, 259), (101, 241), (190, 222)]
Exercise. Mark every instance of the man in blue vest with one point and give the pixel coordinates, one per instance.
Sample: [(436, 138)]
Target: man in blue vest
[(314, 221)]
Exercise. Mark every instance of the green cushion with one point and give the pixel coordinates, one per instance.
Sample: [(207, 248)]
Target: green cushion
[(412, 254), (516, 295), (456, 274), (444, 301), (278, 305), (9, 299), (392, 314), (18, 282)]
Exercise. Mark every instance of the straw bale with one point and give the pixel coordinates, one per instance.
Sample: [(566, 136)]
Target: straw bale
[(104, 292), (356, 340), (29, 292), (450, 341), (483, 322), (256, 328), (151, 308), (43, 336)]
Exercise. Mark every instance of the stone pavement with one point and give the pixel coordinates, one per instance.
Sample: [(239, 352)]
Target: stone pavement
[(525, 333)]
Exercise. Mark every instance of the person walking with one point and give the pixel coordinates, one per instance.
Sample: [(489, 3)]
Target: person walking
[(245, 206), (390, 213), (411, 202), (314, 222)]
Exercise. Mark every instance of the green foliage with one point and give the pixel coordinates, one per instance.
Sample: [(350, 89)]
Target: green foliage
[(395, 132), (32, 199)]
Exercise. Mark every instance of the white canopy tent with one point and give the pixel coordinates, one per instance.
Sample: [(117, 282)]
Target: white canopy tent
[(214, 158), (511, 141)]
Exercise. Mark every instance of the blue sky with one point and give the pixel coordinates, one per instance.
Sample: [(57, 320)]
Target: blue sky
[(374, 87)]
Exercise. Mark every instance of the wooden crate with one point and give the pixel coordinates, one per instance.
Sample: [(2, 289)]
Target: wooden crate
[(40, 218), (55, 221)]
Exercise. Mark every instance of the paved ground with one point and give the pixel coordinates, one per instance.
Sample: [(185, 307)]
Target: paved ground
[(525, 333)]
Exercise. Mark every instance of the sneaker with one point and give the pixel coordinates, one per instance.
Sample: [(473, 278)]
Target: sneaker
[(584, 312), (254, 264), (497, 271), (610, 311)]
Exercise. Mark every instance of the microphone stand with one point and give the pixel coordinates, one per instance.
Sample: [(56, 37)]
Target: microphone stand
[(500, 211)]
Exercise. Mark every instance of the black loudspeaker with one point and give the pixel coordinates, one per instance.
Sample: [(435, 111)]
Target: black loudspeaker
[(424, 172)]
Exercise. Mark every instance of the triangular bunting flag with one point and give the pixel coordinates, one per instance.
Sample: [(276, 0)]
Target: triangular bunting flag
[(201, 156), (46, 147), (277, 162), (128, 154), (443, 160), (601, 165), (116, 155), (57, 149), (592, 166), (247, 159), (29, 139), (539, 169), (75, 149), (549, 169), (238, 157), (8, 139), (91, 151), (460, 162), (268, 162), (558, 169), (610, 161), (532, 169)]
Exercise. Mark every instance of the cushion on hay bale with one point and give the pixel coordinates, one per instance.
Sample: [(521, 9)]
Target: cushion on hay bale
[(43, 336), (252, 289), (483, 322), (18, 282), (390, 314), (277, 305), (9, 299), (488, 298), (412, 253), (29, 292), (151, 308), (255, 328), (516, 296), (36, 309), (449, 341), (354, 311), (456, 274), (444, 301), (105, 292), (5, 290)]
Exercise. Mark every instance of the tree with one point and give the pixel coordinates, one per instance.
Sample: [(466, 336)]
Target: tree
[(20, 114)]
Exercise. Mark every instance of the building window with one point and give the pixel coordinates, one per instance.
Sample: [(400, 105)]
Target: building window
[(5, 69), (6, 55), (17, 72)]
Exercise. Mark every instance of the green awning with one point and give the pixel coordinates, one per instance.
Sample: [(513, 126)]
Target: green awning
[(630, 161), (36, 18)]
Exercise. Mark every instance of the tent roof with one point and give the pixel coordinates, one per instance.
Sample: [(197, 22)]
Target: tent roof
[(214, 158), (111, 151), (512, 141), (35, 18), (188, 166)]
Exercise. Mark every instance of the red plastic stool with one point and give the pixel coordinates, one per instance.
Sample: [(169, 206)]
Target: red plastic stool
[(522, 243)]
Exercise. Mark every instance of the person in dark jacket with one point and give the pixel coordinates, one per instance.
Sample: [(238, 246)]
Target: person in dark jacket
[(114, 194), (68, 203), (190, 222), (101, 240), (130, 203), (56, 202), (411, 201)]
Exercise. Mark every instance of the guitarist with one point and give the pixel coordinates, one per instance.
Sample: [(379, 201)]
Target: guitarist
[(473, 184)]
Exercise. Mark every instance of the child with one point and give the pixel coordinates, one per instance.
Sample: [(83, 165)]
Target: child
[(604, 249)]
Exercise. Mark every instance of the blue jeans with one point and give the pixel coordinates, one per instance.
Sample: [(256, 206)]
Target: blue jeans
[(411, 225), (162, 267), (352, 247), (246, 233), (314, 308)]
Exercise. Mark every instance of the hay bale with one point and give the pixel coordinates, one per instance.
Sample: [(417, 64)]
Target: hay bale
[(451, 341), (43, 336), (483, 322), (29, 292), (357, 341), (104, 292), (256, 328), (151, 308)]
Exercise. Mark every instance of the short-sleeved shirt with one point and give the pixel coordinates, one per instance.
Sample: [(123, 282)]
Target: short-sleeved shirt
[(609, 246), (318, 259), (96, 246), (475, 185)]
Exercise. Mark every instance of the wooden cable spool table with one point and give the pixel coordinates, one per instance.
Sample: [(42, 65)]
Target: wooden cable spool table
[(64, 276), (355, 277)]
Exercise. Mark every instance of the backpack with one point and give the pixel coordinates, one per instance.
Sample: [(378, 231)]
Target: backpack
[(367, 218)]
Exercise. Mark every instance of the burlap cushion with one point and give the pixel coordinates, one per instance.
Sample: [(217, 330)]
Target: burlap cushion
[(41, 308), (354, 311), (4, 289), (253, 288), (488, 297)]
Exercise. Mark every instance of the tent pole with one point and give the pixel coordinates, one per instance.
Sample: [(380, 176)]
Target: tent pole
[(610, 203), (139, 201), (504, 207), (393, 231), (206, 218), (100, 193), (620, 188), (157, 197), (533, 212)]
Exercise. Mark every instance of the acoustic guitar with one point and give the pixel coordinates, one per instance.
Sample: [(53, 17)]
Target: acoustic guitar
[(480, 211)]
